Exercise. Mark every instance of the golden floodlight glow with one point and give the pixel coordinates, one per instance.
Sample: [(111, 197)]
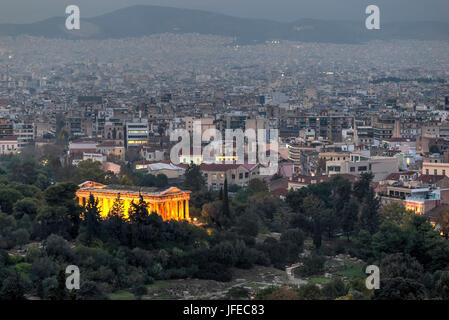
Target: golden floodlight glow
[(170, 204)]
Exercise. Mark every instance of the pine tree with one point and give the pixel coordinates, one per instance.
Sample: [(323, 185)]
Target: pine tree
[(193, 178), (370, 216), (138, 217), (91, 223), (314, 210), (117, 210), (362, 186), (59, 292), (349, 217), (114, 221), (138, 212)]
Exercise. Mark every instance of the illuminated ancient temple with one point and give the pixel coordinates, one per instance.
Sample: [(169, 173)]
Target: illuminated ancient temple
[(171, 203)]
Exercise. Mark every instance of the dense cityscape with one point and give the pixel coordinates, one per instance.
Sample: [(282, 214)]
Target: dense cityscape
[(359, 134)]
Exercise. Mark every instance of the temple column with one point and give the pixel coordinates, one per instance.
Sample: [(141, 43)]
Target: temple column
[(167, 207), (170, 212), (161, 210), (176, 205), (111, 203), (187, 217), (167, 210), (181, 209)]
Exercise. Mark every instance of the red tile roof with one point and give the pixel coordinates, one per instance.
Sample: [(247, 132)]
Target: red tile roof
[(430, 179), (106, 144), (280, 192)]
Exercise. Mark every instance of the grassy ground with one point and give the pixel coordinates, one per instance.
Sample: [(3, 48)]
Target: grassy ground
[(351, 270), (122, 295), (346, 269), (319, 280)]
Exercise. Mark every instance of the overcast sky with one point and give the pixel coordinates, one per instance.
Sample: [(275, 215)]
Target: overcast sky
[(25, 11)]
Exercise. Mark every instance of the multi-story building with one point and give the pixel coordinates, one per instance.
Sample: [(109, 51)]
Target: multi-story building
[(238, 174), (328, 127), (24, 133), (435, 168), (79, 126), (137, 133), (380, 167), (304, 158), (422, 200), (435, 131), (386, 128), (114, 130), (363, 135), (6, 128), (9, 145)]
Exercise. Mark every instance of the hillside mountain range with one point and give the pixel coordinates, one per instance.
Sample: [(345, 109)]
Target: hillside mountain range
[(143, 20)]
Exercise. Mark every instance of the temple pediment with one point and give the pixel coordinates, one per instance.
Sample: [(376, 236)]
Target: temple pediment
[(171, 190), (91, 184)]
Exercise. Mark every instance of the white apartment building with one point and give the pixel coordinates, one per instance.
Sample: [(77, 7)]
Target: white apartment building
[(357, 164)]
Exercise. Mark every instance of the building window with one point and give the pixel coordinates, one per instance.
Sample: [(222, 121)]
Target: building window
[(352, 169), (427, 171), (435, 172), (240, 175)]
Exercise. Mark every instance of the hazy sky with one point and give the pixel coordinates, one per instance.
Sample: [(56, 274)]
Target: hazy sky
[(21, 11)]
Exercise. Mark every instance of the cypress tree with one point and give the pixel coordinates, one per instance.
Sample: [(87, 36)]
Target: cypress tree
[(91, 222), (225, 199)]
